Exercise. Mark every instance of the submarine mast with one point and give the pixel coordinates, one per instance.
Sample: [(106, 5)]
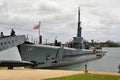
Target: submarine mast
[(77, 41), (79, 24)]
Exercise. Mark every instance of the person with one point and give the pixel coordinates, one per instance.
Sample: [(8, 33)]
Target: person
[(1, 35), (40, 39), (12, 32)]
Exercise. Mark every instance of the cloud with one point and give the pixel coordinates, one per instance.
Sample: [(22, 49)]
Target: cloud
[(59, 17), (107, 21), (48, 7)]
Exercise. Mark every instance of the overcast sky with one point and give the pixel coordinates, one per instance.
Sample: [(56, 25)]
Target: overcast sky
[(100, 18)]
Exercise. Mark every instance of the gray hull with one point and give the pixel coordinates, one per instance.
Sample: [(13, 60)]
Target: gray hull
[(11, 41), (79, 59), (51, 56)]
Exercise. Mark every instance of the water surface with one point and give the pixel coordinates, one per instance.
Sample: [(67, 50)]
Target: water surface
[(108, 63)]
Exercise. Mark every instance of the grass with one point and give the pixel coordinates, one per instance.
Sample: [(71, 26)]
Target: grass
[(87, 77)]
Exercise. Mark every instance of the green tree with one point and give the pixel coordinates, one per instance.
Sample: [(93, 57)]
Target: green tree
[(110, 43)]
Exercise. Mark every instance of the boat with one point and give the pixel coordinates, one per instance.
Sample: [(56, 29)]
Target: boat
[(46, 56), (7, 42)]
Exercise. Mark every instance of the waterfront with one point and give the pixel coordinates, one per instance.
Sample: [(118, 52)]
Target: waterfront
[(108, 63)]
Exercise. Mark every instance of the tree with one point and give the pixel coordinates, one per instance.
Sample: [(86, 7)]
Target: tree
[(92, 41), (119, 68), (110, 43)]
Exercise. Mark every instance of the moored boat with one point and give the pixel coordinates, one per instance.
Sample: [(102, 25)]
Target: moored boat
[(46, 56)]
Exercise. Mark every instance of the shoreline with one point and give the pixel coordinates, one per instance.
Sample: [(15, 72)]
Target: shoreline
[(38, 74)]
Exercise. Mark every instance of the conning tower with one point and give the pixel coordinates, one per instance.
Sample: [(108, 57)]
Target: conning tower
[(77, 41)]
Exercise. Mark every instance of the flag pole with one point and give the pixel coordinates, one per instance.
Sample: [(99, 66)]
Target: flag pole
[(40, 36), (39, 28)]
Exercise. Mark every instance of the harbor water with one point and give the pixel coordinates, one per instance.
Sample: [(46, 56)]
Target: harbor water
[(108, 63)]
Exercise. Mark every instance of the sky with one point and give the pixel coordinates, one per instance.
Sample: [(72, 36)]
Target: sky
[(100, 19)]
